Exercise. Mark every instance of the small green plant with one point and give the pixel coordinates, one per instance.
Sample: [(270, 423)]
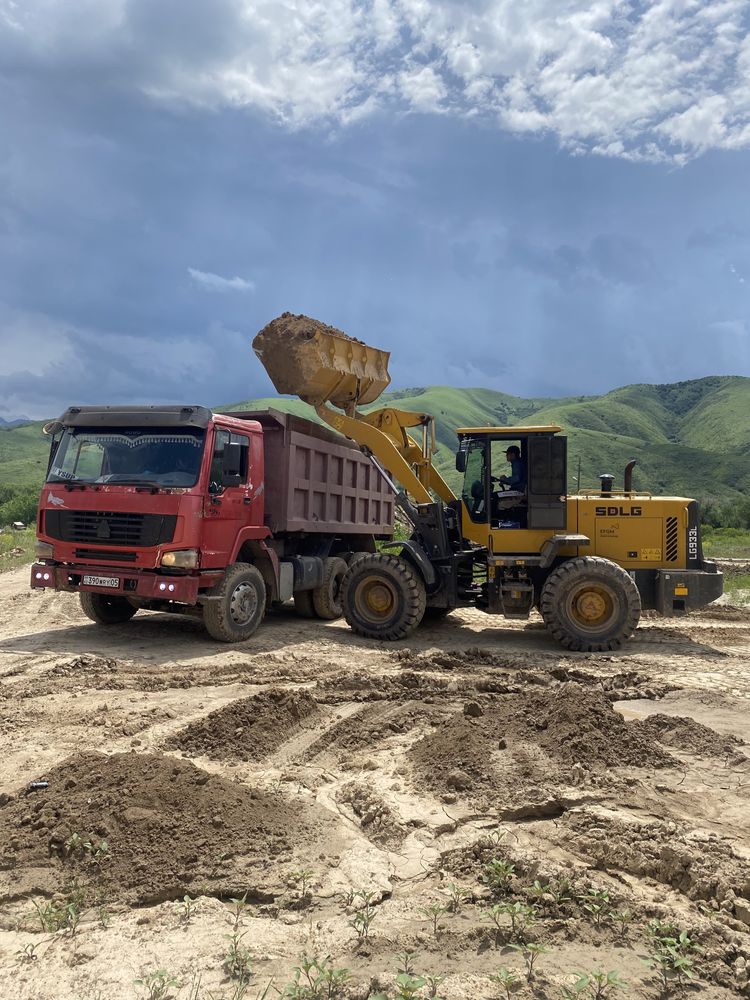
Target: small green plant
[(238, 962), (98, 853), (594, 985), (237, 908), (432, 985), (433, 913), (316, 979), (158, 984), (405, 962), (408, 987), (538, 891), (496, 837), (622, 919), (507, 980), (362, 920), (73, 847), (456, 896), (670, 954), (49, 915), (521, 916), (304, 879), (185, 908), (560, 891), (497, 874), (596, 903), (530, 952), (28, 952)]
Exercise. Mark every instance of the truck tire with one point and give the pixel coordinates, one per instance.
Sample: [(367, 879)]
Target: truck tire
[(383, 597), (303, 603), (239, 606), (106, 610), (353, 557), (327, 597), (590, 604)]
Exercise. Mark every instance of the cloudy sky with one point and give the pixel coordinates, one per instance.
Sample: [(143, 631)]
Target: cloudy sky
[(543, 197)]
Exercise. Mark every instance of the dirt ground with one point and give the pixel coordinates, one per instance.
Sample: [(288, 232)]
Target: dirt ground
[(416, 791)]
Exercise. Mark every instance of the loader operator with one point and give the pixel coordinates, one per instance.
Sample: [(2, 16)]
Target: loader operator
[(517, 479)]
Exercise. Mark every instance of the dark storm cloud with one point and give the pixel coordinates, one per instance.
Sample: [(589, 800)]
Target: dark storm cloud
[(473, 257)]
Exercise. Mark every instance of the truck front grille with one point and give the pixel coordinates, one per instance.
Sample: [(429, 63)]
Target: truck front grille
[(110, 528)]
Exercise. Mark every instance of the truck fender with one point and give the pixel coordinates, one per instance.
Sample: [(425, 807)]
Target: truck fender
[(255, 551), (417, 555)]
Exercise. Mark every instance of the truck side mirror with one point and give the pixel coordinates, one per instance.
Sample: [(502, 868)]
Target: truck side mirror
[(461, 457), (231, 465)]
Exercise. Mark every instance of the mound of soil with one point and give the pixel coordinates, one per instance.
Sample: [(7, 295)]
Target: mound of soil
[(532, 737), (683, 733), (249, 729), (170, 828), (700, 865), (367, 728)]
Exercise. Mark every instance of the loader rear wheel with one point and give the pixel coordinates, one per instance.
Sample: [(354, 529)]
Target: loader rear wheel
[(327, 597), (238, 604), (590, 604), (383, 597), (106, 610)]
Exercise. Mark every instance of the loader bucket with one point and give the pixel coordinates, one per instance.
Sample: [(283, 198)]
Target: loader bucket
[(319, 363)]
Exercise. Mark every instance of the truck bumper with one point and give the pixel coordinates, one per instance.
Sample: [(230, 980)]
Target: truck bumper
[(129, 582), (679, 591)]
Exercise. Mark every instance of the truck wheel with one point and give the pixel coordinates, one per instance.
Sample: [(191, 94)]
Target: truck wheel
[(590, 604), (303, 603), (106, 610), (353, 557), (239, 606), (327, 597), (383, 597)]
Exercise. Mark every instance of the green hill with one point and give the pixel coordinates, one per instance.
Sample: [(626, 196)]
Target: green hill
[(689, 438)]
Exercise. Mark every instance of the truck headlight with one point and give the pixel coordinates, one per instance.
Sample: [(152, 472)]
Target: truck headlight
[(183, 559), (43, 550)]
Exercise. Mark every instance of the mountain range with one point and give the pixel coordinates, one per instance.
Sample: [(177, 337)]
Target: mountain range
[(689, 438)]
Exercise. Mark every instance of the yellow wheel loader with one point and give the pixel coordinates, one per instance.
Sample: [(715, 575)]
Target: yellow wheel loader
[(589, 562)]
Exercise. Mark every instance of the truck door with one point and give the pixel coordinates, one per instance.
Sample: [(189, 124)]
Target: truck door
[(225, 508)]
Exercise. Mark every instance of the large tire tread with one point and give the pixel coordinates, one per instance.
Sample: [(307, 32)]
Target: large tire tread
[(326, 598), (409, 585), (566, 631), (216, 613)]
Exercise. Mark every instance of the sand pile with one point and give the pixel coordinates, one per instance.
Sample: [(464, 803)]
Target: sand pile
[(533, 737), (683, 733), (170, 828), (249, 729)]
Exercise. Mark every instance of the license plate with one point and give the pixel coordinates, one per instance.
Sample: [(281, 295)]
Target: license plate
[(101, 581)]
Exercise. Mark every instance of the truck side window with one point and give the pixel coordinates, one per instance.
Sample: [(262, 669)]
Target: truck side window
[(222, 439)]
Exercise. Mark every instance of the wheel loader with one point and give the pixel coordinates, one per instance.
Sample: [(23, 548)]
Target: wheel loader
[(590, 561)]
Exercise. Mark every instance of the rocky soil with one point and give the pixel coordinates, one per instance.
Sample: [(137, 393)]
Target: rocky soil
[(460, 796)]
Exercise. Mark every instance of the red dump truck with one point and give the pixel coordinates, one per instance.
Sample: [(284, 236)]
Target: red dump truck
[(179, 509)]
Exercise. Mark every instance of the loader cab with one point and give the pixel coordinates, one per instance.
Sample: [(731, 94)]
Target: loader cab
[(488, 507)]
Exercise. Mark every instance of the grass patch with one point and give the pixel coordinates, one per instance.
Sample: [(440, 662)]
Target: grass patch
[(737, 588), (16, 548), (726, 543)]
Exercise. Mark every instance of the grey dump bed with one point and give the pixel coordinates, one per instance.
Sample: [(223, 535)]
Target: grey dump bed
[(318, 481)]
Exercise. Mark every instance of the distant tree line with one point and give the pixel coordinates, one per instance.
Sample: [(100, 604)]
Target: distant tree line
[(18, 503), (726, 513)]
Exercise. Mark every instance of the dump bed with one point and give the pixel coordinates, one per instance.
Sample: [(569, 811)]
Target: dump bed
[(318, 481)]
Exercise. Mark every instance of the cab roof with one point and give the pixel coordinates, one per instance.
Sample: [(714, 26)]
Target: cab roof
[(509, 431)]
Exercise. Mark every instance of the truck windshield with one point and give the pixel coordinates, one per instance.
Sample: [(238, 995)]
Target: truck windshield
[(143, 456)]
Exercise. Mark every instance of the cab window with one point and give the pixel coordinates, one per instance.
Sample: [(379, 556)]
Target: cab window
[(221, 440), (474, 481)]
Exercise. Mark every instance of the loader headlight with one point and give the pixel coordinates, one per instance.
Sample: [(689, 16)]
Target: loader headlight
[(43, 550), (183, 559)]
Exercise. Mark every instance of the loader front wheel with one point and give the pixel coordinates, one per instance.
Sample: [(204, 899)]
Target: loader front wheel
[(383, 597), (106, 610), (590, 604), (236, 605)]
